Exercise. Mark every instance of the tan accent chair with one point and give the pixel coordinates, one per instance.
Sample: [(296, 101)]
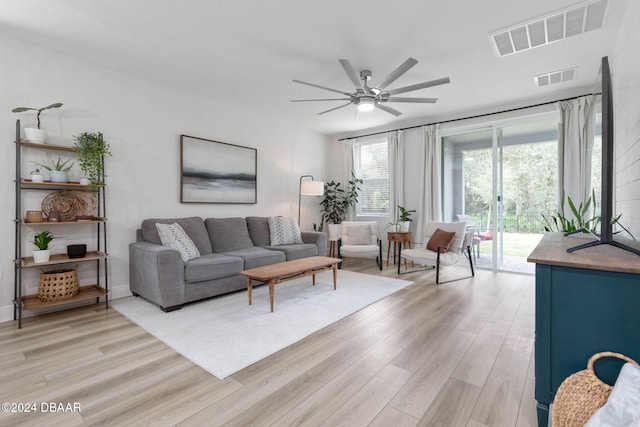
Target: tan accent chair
[(442, 256), (359, 239)]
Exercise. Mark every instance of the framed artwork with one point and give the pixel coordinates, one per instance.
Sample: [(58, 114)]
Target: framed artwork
[(216, 172)]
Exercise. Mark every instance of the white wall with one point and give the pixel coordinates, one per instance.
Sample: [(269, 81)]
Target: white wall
[(142, 121), (626, 84)]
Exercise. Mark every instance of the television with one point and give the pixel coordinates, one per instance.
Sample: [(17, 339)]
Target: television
[(606, 204)]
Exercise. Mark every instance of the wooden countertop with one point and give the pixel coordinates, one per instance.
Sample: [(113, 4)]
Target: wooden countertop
[(552, 250)]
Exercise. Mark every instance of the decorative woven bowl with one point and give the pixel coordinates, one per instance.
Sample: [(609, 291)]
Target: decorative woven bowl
[(580, 395), (70, 203)]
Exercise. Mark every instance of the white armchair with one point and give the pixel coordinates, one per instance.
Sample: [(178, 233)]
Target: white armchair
[(359, 239), (438, 251)]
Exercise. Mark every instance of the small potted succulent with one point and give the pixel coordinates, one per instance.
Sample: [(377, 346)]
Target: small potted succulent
[(36, 134), (404, 219), (36, 175), (41, 241), (58, 171)]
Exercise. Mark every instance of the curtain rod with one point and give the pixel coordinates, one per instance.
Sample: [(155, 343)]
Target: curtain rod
[(470, 117)]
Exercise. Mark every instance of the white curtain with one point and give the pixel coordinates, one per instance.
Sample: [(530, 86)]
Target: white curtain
[(396, 168), (575, 145), (430, 198), (348, 146)]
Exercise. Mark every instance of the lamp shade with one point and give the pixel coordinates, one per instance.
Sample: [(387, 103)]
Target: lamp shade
[(366, 104), (312, 188)]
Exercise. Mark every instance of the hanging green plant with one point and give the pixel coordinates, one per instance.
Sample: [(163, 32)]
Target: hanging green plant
[(91, 149)]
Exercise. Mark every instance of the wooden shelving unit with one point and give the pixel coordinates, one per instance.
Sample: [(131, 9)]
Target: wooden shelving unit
[(100, 256)]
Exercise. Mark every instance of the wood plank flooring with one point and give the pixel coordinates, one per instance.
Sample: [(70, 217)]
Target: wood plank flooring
[(457, 354)]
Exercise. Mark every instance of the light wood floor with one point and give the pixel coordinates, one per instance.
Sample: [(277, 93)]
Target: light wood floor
[(458, 354)]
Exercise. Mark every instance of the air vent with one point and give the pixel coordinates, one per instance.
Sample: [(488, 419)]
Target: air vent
[(556, 77), (586, 16)]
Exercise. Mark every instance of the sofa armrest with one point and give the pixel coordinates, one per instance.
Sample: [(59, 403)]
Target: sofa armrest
[(317, 238), (156, 273)]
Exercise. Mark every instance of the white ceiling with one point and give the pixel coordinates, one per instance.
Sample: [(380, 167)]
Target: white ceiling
[(247, 52)]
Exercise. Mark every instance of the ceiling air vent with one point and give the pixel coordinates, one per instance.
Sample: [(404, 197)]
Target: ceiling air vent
[(586, 16), (556, 77)]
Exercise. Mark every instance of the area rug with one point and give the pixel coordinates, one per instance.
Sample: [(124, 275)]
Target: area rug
[(225, 334)]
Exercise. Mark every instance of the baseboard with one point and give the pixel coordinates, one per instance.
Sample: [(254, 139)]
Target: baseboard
[(115, 292)]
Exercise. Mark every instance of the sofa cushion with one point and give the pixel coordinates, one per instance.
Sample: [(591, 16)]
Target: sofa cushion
[(259, 230), (257, 257), (441, 238), (193, 226), (284, 231), (174, 236), (212, 266), (228, 234), (297, 251)]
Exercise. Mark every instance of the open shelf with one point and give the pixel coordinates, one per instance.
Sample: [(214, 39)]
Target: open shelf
[(32, 302), (47, 223), (62, 259), (48, 185), (47, 146)]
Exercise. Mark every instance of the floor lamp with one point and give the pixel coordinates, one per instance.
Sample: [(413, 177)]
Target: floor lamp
[(309, 188)]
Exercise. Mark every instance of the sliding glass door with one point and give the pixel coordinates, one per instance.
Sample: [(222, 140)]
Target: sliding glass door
[(500, 179)]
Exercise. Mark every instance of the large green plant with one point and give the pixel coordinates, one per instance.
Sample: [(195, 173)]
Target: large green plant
[(560, 222), (337, 200), (91, 149), (39, 110)]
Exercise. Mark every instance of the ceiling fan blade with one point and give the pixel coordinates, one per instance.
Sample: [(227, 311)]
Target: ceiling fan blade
[(419, 86), (416, 100), (389, 110), (395, 74), (332, 99), (333, 109), (351, 73), (322, 87)]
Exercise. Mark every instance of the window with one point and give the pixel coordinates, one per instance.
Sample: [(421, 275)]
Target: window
[(372, 166)]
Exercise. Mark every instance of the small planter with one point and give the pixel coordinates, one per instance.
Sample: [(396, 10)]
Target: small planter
[(334, 231), (404, 225), (36, 177), (41, 255), (39, 136), (77, 251), (58, 176)]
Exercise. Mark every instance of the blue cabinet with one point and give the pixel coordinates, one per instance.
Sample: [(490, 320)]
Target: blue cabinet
[(586, 302)]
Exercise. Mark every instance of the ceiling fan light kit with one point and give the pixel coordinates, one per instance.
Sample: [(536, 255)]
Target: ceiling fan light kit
[(367, 98)]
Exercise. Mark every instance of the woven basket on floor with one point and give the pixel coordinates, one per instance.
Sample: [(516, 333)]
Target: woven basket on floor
[(580, 395), (58, 285)]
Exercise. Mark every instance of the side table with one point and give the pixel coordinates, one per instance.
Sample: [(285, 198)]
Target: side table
[(398, 238)]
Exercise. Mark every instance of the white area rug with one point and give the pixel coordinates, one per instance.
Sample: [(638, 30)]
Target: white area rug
[(225, 334)]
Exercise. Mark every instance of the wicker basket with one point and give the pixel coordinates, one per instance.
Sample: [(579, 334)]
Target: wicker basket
[(580, 395), (58, 285)]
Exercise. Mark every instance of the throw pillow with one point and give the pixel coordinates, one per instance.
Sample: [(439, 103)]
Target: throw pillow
[(440, 238), (174, 236), (623, 406), (284, 231), (357, 235)]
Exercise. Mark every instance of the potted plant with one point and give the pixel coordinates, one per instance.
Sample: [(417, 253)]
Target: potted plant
[(404, 219), (91, 149), (336, 201), (59, 170), (36, 134), (41, 241), (36, 175)]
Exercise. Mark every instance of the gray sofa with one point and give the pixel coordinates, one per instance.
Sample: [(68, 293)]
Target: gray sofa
[(226, 245)]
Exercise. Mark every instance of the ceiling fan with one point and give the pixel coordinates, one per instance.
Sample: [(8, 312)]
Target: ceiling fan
[(367, 98)]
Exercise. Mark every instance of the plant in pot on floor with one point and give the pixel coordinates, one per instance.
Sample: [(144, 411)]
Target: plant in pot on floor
[(41, 241), (36, 134), (336, 201), (58, 171), (91, 149)]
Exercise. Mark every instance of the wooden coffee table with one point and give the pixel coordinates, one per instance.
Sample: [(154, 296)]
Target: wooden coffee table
[(289, 270)]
